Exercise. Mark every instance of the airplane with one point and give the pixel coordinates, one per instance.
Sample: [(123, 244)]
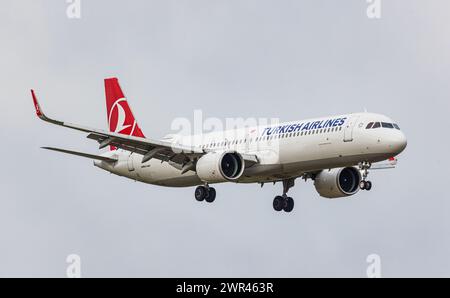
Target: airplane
[(336, 152)]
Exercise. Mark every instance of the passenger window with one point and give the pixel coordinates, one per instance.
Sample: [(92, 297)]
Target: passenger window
[(369, 125), (376, 125)]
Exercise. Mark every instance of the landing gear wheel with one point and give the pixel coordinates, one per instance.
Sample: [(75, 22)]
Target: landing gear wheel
[(201, 193), (288, 204), (365, 185), (364, 169), (284, 202), (278, 203), (211, 195), (362, 185)]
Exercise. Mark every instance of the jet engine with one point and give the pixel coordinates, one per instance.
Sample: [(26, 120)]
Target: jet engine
[(337, 183), (220, 167)]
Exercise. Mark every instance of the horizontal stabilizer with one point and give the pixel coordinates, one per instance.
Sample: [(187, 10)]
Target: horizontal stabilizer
[(87, 155)]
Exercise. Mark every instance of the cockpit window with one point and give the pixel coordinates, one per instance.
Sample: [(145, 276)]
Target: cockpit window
[(396, 126), (369, 125), (376, 125), (387, 125)]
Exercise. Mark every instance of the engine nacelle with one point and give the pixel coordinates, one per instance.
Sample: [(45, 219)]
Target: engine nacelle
[(337, 183), (220, 167)]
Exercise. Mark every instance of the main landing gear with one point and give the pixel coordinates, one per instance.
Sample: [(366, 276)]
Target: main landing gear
[(205, 193), (364, 168), (284, 202)]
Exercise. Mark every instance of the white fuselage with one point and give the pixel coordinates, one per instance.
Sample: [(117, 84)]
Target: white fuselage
[(283, 151)]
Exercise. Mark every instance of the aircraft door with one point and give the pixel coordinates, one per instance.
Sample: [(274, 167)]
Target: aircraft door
[(349, 127), (130, 163)]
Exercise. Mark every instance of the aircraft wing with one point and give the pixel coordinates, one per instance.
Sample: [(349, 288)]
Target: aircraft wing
[(162, 150), (165, 151), (387, 164)]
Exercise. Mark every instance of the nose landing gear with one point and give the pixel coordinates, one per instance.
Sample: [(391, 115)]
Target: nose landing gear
[(365, 185), (364, 169)]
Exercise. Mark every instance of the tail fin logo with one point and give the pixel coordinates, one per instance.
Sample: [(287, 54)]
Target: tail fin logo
[(120, 118), (118, 112)]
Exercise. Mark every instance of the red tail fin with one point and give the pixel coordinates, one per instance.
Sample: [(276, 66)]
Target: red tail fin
[(120, 117)]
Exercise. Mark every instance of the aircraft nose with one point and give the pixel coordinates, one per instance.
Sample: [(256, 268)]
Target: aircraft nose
[(399, 143)]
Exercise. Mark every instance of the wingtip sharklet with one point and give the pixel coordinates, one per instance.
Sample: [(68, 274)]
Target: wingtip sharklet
[(37, 107)]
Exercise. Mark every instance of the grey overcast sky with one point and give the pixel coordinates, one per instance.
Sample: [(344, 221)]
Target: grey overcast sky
[(247, 58)]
